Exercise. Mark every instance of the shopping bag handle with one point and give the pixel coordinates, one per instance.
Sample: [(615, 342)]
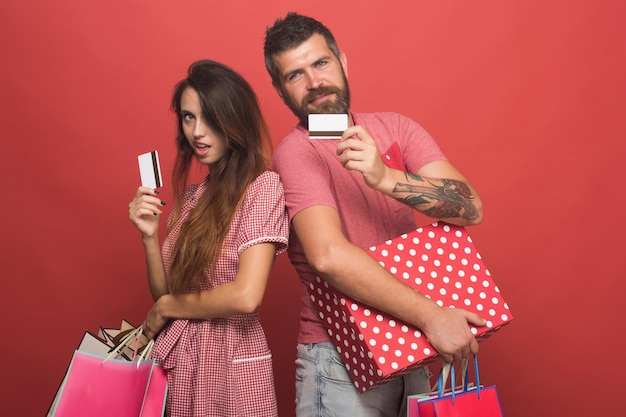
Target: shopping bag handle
[(448, 369), (133, 335)]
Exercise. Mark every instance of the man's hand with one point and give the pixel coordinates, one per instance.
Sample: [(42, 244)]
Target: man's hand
[(358, 151), (448, 331)]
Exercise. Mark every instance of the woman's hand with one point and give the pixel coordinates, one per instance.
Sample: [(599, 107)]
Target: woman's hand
[(155, 319), (145, 210)]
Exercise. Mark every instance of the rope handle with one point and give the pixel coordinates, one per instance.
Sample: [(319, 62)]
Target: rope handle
[(448, 369), (127, 341)]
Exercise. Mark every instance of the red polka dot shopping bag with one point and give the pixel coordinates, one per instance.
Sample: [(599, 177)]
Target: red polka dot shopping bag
[(441, 262)]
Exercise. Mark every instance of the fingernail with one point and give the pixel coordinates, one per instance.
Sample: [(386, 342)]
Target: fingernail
[(162, 203), (156, 192), (154, 213)]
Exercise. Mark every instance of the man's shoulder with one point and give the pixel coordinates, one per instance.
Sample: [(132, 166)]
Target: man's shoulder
[(381, 116), (387, 126), (383, 123), (298, 133), (289, 147)]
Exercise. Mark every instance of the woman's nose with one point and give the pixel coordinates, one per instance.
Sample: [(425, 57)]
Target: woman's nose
[(198, 129)]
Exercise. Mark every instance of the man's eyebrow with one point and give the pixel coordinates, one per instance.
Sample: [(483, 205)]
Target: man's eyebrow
[(323, 58)]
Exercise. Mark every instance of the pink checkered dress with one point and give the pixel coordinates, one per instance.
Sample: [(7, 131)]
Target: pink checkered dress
[(223, 367)]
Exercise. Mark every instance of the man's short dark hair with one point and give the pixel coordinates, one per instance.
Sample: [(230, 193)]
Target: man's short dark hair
[(289, 33)]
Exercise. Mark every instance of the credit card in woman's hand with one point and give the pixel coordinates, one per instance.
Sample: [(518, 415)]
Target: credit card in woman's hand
[(150, 170)]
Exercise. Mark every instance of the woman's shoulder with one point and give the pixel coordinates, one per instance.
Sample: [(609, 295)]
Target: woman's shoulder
[(267, 178), (193, 191), (267, 183)]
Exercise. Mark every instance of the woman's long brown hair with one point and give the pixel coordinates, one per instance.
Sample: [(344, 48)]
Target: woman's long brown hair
[(230, 108)]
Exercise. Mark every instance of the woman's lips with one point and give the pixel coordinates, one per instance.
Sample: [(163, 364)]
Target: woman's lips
[(202, 149)]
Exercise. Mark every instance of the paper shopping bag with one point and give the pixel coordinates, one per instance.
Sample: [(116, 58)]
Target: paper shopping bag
[(90, 343), (440, 261), (154, 405), (477, 401), (105, 341), (97, 388)]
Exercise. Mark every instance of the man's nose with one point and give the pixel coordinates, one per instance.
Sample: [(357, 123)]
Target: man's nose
[(313, 81)]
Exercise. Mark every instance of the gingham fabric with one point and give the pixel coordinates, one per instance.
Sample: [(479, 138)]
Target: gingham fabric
[(223, 367)]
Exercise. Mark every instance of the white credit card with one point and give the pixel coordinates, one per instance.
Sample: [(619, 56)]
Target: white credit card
[(327, 126), (150, 169)]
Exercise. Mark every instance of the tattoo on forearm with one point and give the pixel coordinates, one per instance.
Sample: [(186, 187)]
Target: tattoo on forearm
[(441, 199)]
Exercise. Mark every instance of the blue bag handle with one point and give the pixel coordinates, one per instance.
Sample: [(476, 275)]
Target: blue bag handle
[(441, 380)]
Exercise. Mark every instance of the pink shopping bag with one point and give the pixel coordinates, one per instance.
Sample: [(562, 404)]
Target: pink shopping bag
[(154, 405), (464, 401), (97, 388)]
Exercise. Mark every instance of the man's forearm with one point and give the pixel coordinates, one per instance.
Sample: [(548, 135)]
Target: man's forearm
[(366, 281), (438, 198)]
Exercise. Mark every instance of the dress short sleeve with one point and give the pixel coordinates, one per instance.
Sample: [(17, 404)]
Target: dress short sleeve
[(264, 215)]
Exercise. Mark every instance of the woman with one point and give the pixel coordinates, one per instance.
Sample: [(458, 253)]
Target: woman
[(222, 237)]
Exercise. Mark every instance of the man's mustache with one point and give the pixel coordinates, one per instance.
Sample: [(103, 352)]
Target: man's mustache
[(319, 92)]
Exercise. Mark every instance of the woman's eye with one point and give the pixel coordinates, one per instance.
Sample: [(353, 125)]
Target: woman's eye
[(187, 117)]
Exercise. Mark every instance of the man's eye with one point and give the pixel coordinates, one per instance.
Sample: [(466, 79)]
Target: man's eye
[(293, 76), (322, 63)]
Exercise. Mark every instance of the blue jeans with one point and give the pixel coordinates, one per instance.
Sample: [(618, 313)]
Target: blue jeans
[(324, 387)]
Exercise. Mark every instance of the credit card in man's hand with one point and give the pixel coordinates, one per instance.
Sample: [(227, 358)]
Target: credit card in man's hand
[(150, 169), (327, 126)]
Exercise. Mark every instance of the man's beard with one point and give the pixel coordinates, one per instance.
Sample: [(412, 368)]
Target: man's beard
[(339, 105)]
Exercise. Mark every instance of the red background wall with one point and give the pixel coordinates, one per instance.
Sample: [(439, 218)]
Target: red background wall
[(527, 98)]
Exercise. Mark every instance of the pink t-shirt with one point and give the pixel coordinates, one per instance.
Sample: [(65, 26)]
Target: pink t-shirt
[(312, 175)]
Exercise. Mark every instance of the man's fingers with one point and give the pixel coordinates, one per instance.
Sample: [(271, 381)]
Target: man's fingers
[(348, 145), (446, 358), (473, 347), (460, 355), (475, 319)]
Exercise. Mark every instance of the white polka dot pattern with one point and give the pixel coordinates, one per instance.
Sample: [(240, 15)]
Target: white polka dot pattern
[(438, 260)]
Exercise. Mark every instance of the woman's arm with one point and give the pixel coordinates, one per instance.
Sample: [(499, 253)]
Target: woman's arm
[(144, 212), (154, 266), (242, 295)]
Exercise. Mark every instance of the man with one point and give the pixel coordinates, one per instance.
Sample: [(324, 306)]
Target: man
[(346, 195)]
